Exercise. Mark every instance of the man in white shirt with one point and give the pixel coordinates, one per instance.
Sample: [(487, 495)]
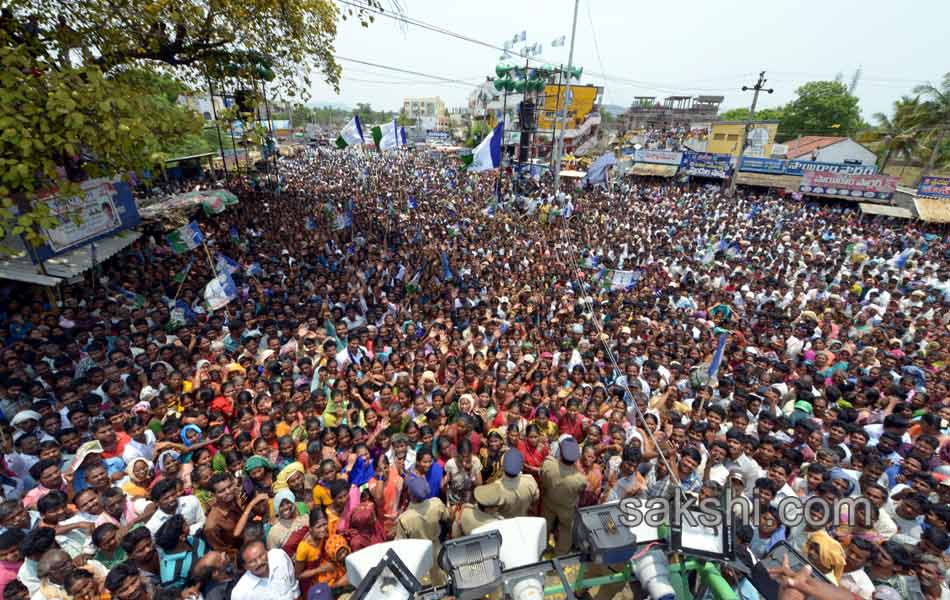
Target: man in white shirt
[(165, 494), (270, 574), (855, 579)]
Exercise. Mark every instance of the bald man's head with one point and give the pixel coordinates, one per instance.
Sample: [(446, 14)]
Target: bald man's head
[(54, 565)]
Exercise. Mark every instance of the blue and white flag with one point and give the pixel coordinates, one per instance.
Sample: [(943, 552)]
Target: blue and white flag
[(717, 357), (185, 238), (447, 274), (310, 224), (901, 260), (223, 264), (487, 155), (412, 202), (220, 291), (254, 269), (597, 173), (185, 309)]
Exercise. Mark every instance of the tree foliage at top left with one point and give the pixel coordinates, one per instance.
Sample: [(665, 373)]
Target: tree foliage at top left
[(87, 86)]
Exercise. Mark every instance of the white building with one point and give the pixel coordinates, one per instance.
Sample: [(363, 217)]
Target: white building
[(829, 149)]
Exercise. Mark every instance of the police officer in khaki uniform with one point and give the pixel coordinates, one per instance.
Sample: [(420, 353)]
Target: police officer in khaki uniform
[(519, 492), (424, 519), (562, 484), (485, 510)]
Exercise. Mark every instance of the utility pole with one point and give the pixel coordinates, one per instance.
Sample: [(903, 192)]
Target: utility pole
[(758, 87), (559, 144)]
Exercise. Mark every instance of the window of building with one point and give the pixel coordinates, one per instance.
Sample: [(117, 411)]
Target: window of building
[(732, 137), (719, 136)]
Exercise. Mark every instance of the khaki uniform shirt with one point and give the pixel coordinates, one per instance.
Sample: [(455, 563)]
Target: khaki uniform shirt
[(422, 520), (563, 485), (518, 495)]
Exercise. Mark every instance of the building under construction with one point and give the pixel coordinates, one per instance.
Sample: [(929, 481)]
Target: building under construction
[(674, 112)]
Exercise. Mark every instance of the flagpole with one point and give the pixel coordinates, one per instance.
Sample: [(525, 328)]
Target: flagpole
[(214, 270), (567, 92), (183, 280)]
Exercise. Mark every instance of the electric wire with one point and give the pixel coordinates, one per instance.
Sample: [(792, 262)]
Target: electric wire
[(607, 350)]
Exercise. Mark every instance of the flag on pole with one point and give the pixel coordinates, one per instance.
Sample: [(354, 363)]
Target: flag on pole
[(182, 275), (254, 269), (412, 202), (351, 134), (402, 137), (558, 41), (717, 357), (487, 155), (137, 299), (446, 269), (185, 238), (388, 136), (597, 173), (220, 291), (223, 264)]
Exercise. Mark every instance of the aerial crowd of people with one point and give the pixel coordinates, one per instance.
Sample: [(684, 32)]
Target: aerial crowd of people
[(436, 360)]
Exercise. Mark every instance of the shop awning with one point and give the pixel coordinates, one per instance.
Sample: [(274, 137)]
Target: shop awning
[(787, 182), (654, 170), (18, 266), (933, 210), (888, 211)]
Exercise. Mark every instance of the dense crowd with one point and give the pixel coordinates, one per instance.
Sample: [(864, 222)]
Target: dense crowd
[(440, 360)]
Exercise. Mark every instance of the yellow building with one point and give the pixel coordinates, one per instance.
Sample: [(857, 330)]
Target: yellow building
[(726, 136), (583, 100)]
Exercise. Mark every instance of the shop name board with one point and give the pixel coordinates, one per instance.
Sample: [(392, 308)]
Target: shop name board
[(934, 187), (660, 157), (707, 164), (776, 166), (855, 186)]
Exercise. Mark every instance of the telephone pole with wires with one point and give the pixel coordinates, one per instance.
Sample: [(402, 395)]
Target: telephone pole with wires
[(758, 87)]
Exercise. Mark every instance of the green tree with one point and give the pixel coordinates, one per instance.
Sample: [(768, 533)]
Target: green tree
[(821, 108), (897, 136), (403, 119), (935, 121), (476, 133), (763, 114), (80, 94)]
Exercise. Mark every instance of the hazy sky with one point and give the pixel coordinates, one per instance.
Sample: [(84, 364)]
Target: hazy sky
[(656, 48)]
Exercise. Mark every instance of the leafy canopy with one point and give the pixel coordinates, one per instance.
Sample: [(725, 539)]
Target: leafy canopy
[(821, 108), (88, 87)]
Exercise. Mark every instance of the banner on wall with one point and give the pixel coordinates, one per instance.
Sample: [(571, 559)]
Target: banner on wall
[(659, 157), (776, 166), (934, 187), (848, 186), (707, 164), (102, 208)]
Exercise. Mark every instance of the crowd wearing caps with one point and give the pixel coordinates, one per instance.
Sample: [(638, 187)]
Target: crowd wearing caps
[(422, 371)]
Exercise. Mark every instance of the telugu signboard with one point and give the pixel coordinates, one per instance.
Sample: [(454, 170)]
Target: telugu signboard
[(850, 186), (707, 164), (934, 187), (799, 167), (775, 166), (102, 208), (660, 157)]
